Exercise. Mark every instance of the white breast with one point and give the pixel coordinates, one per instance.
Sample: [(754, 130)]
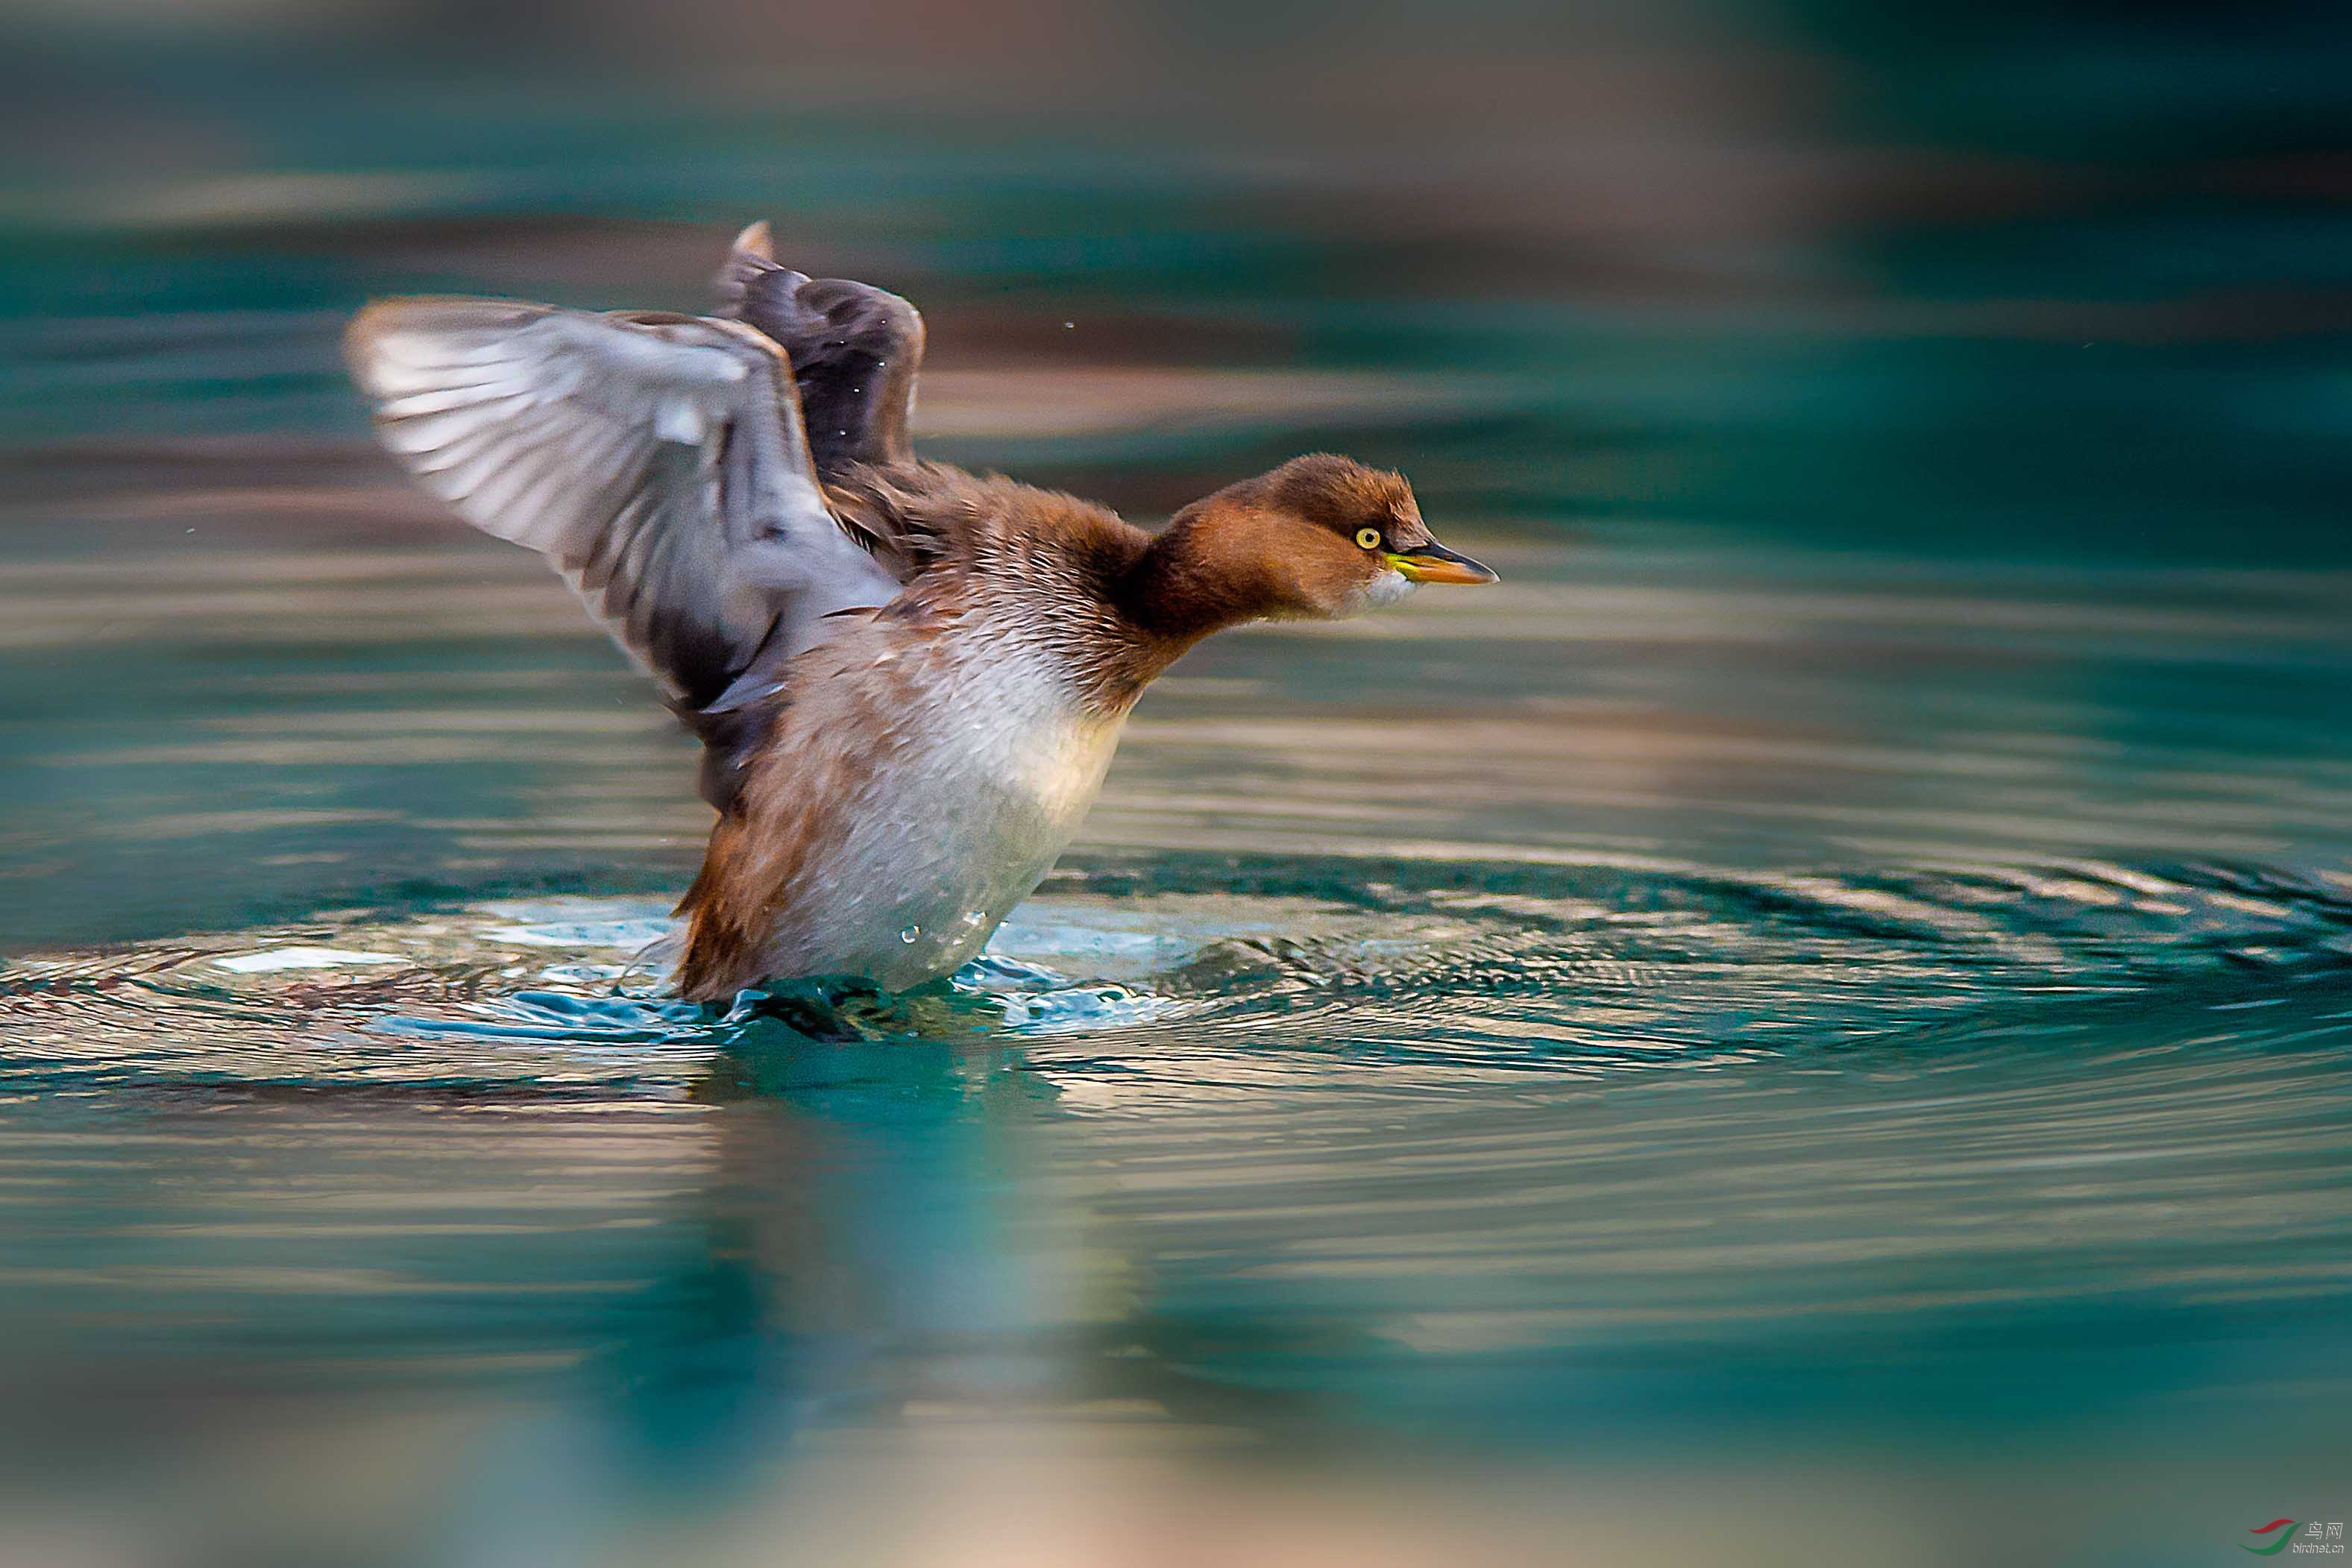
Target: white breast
[(963, 817)]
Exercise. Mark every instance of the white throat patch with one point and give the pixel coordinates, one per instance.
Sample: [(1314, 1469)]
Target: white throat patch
[(1385, 590)]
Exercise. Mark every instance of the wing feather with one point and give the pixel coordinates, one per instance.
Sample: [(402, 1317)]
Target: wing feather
[(656, 461), (855, 349)]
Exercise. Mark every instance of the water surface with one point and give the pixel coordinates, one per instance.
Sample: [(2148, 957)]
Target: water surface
[(1808, 1025)]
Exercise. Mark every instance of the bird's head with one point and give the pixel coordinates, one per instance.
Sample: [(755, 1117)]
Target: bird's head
[(1320, 538)]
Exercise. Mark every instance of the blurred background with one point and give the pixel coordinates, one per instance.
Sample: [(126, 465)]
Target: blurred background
[(1807, 1025)]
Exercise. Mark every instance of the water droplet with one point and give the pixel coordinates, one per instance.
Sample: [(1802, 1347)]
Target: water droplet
[(909, 933)]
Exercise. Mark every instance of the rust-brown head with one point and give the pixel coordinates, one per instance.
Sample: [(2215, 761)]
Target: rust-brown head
[(1320, 538)]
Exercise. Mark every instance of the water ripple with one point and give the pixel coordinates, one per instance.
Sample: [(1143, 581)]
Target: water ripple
[(1496, 967)]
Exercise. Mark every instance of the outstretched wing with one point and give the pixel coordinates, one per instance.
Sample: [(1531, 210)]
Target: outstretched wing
[(854, 351), (656, 461)]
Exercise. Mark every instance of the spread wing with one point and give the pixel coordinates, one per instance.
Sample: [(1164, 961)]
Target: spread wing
[(656, 461), (855, 352)]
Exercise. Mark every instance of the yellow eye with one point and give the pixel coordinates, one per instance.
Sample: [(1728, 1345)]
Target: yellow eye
[(1369, 538)]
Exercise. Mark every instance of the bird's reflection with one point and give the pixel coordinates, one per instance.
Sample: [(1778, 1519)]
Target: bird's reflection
[(864, 1244)]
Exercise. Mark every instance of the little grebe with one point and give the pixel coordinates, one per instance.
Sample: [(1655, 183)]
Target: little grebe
[(908, 679)]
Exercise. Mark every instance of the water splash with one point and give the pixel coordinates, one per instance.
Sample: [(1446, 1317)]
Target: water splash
[(1493, 967)]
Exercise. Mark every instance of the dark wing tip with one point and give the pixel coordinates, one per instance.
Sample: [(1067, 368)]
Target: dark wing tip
[(845, 306), (751, 275)]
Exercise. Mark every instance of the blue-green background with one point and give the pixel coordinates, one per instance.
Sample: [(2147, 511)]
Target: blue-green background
[(1808, 1025)]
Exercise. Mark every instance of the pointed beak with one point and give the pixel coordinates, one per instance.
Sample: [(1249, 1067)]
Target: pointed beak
[(1432, 562)]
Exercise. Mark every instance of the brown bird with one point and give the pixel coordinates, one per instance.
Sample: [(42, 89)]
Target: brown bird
[(908, 679)]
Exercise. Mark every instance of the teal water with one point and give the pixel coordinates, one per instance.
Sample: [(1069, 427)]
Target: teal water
[(1809, 1025)]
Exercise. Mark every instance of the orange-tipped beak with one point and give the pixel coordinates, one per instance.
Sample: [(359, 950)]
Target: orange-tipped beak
[(1432, 562)]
